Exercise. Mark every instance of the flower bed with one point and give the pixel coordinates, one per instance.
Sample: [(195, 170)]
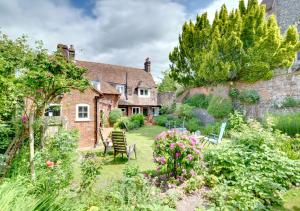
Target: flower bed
[(177, 155)]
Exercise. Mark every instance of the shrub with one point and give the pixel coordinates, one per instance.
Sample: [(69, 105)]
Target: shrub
[(251, 173), (235, 121), (192, 124), (114, 115), (5, 136), (177, 155), (249, 96), (288, 123), (234, 93), (291, 147), (138, 118), (289, 102), (219, 107), (198, 100), (213, 128), (161, 120), (167, 109), (90, 168), (185, 111)]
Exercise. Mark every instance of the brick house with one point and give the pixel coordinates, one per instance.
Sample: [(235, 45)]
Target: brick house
[(133, 90)]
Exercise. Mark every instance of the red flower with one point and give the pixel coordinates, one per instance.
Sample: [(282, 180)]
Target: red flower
[(50, 164)]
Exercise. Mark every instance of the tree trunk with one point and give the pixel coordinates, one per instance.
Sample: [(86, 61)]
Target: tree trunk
[(43, 127), (31, 144)]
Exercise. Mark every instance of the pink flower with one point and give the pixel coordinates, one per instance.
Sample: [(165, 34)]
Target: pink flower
[(163, 160), (193, 140), (158, 169), (160, 136), (178, 154), (50, 164), (24, 119), (181, 145), (197, 151), (184, 137), (192, 172), (172, 146), (190, 157)]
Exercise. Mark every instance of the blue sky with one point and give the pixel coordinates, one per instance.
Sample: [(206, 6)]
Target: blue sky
[(122, 32)]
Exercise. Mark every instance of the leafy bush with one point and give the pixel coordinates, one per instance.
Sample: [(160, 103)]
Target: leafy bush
[(193, 124), (234, 93), (167, 109), (194, 183), (138, 118), (185, 111), (288, 123), (251, 173), (114, 115), (289, 102), (90, 168), (219, 107), (198, 100), (177, 155), (213, 128), (161, 120), (235, 121), (249, 96), (291, 147)]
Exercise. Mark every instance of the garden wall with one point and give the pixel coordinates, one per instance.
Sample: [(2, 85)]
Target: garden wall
[(272, 92)]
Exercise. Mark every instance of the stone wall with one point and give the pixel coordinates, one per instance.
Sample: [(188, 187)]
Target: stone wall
[(166, 98), (271, 92)]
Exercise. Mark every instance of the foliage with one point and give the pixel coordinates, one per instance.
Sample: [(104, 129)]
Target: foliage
[(177, 155), (114, 115), (90, 168), (219, 107), (161, 120), (249, 96), (138, 118), (130, 123), (235, 121), (251, 173), (192, 124), (213, 128), (168, 109), (289, 102), (185, 111), (167, 84), (288, 123), (291, 147), (234, 93), (198, 101), (241, 45), (194, 183)]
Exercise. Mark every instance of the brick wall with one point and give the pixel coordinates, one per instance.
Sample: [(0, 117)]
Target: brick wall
[(271, 92), (86, 128)]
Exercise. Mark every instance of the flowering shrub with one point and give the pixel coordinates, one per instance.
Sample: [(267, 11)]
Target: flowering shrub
[(177, 154)]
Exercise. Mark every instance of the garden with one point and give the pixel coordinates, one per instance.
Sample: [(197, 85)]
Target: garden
[(256, 166)]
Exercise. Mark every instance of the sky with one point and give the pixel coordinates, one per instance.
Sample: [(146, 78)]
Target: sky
[(122, 32)]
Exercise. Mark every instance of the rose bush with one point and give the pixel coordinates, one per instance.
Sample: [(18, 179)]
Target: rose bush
[(177, 154)]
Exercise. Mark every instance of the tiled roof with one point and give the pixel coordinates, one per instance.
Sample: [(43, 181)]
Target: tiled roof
[(115, 74), (268, 3)]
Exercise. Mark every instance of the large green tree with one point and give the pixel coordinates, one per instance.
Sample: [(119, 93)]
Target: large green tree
[(36, 78), (167, 83), (241, 45)]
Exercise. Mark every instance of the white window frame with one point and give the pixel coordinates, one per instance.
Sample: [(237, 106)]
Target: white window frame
[(139, 108), (80, 119), (120, 87), (143, 95), (155, 111)]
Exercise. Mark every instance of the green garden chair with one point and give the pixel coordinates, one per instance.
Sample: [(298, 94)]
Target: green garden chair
[(120, 146)]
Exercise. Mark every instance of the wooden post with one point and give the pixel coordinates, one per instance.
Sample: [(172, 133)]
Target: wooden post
[(31, 144)]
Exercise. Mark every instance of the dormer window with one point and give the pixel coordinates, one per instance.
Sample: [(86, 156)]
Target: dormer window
[(143, 92), (96, 85), (120, 89)]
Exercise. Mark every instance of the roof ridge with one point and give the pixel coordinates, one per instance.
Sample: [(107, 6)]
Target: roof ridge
[(115, 65)]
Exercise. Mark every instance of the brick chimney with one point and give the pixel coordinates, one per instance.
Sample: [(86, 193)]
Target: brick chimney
[(71, 53), (68, 53), (147, 65)]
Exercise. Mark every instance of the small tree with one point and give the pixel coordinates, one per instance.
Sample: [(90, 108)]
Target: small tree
[(242, 45)]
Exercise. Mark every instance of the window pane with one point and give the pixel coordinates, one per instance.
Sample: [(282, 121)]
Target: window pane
[(85, 115), (80, 108), (146, 91), (85, 109), (141, 92), (80, 115)]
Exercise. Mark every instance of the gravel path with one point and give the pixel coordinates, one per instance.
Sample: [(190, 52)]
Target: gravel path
[(191, 202)]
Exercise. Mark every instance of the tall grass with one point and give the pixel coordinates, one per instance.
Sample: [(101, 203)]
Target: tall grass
[(288, 123)]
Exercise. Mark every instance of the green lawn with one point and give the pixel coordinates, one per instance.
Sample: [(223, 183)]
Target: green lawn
[(291, 201), (143, 138)]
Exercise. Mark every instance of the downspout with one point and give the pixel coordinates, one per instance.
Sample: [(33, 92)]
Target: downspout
[(97, 120), (126, 86)]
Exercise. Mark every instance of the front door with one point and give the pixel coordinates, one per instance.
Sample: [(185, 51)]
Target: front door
[(145, 111)]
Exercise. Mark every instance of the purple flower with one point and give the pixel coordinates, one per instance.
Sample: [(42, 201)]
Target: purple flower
[(190, 157), (181, 145), (158, 169), (178, 154), (163, 160), (24, 119), (172, 146)]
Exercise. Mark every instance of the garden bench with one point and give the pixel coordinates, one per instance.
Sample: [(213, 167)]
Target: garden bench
[(106, 143), (214, 139), (120, 145)]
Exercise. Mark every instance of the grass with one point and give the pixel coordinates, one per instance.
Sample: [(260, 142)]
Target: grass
[(291, 200), (143, 138)]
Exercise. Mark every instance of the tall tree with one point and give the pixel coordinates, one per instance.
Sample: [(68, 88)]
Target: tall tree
[(167, 84), (242, 45)]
